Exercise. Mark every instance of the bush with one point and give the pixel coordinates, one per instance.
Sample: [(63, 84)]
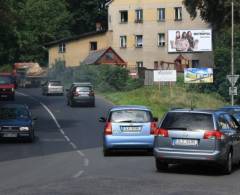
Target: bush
[(103, 77)]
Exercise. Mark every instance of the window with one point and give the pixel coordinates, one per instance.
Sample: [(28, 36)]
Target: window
[(140, 64), (161, 14), (188, 121), (155, 65), (109, 56), (124, 16), (195, 64), (139, 41), (62, 48), (222, 123), (93, 46), (178, 13), (139, 16), (123, 41), (161, 40)]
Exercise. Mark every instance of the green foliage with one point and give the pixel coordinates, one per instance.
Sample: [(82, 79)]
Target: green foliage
[(86, 14), (40, 22), (161, 101), (6, 68), (216, 12), (103, 77)]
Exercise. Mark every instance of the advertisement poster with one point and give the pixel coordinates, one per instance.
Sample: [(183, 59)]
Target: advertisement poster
[(189, 41), (165, 75), (198, 75)]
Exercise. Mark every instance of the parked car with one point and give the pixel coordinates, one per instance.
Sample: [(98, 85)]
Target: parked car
[(16, 121), (128, 127), (197, 136), (52, 88), (81, 93), (234, 110), (7, 86)]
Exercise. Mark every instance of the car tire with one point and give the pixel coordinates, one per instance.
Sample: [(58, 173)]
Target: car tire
[(161, 166), (31, 138), (228, 164), (106, 152), (93, 104), (71, 103)]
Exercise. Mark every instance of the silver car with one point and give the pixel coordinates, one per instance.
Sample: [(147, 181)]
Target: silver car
[(197, 136), (52, 88)]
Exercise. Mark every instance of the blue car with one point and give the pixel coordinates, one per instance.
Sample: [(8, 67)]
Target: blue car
[(234, 110), (128, 127), (16, 122)]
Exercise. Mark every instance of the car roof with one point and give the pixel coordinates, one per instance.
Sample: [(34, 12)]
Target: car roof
[(82, 84), (127, 107), (203, 111), (54, 81)]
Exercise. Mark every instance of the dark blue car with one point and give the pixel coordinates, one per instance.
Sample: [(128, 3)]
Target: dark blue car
[(16, 122), (234, 110)]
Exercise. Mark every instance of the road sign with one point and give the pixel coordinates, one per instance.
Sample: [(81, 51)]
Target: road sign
[(233, 79), (165, 75), (233, 91)]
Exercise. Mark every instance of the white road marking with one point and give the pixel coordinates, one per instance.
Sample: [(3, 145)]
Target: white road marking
[(74, 146), (77, 175)]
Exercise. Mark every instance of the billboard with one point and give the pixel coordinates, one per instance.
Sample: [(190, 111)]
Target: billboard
[(165, 75), (198, 75), (189, 41)]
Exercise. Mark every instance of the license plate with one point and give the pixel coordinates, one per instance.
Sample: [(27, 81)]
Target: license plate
[(4, 96), (10, 135), (185, 142), (131, 129)]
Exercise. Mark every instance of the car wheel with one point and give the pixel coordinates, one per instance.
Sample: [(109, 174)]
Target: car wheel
[(71, 103), (106, 152), (93, 104), (31, 138), (228, 164), (161, 166)]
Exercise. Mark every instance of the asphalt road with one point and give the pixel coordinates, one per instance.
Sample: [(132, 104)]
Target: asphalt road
[(66, 159)]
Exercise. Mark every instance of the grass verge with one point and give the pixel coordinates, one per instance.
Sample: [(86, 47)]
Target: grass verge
[(160, 101)]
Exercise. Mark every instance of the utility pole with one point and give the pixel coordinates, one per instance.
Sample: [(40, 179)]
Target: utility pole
[(232, 77), (232, 61)]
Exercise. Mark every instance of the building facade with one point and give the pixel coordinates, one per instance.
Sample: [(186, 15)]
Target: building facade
[(138, 32)]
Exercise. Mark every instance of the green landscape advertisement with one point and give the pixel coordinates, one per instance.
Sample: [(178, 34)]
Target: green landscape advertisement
[(198, 75)]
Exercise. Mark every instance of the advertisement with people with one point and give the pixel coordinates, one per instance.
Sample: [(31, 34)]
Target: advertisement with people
[(198, 75), (189, 41)]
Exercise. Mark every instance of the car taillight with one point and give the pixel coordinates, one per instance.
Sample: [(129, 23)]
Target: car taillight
[(214, 135), (13, 89), (161, 132), (75, 93), (153, 128), (108, 129)]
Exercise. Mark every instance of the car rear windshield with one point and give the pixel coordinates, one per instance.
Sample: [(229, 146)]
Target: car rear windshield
[(131, 116), (55, 83), (13, 113), (188, 121), (84, 89), (6, 80)]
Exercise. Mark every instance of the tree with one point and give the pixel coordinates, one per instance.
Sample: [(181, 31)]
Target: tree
[(216, 12), (40, 21), (86, 14)]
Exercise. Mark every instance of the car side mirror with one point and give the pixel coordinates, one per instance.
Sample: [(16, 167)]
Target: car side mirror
[(155, 119), (102, 120), (67, 90)]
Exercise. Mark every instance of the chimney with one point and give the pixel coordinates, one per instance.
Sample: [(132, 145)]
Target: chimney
[(99, 26)]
